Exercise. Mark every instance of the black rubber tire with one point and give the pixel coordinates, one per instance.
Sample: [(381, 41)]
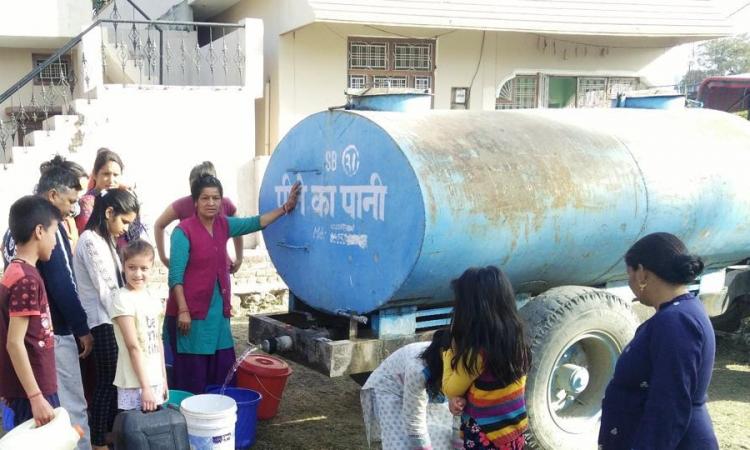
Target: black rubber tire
[(731, 319), (554, 319)]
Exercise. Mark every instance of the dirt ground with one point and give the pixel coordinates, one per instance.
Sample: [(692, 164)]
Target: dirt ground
[(321, 413)]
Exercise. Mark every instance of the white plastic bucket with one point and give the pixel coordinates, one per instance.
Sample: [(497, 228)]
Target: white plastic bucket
[(210, 421), (58, 434)]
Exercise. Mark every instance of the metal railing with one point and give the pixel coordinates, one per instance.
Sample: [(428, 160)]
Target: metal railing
[(136, 51)]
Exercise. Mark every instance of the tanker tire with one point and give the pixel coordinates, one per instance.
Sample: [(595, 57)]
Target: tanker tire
[(556, 320)]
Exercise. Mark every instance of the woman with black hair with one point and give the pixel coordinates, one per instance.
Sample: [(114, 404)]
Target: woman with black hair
[(402, 402), (106, 174), (198, 309), (108, 168), (99, 277), (657, 396), (484, 371)]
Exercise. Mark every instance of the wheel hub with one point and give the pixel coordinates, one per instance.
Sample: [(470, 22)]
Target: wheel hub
[(572, 378)]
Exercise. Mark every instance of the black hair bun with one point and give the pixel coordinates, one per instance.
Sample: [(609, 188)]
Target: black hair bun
[(688, 268), (56, 162)]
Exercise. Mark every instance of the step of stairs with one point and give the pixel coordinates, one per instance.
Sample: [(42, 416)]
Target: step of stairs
[(61, 122)]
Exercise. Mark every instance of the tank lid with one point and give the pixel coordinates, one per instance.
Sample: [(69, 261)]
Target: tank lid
[(266, 366), (389, 99)]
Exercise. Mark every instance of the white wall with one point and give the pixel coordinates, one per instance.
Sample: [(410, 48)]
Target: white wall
[(277, 15), (307, 68), (160, 133), (43, 21)]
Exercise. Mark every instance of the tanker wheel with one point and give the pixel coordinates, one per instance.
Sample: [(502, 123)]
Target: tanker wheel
[(576, 334)]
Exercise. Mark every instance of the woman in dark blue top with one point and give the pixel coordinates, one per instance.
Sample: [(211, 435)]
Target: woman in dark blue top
[(657, 397)]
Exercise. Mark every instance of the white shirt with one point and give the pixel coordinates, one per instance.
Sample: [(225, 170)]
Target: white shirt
[(402, 376), (148, 315), (97, 270)]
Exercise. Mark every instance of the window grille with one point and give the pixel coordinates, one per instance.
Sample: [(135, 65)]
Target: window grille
[(422, 83), (363, 55), (621, 86), (412, 57), (389, 82), (357, 81), (592, 93), (518, 93), (51, 73)]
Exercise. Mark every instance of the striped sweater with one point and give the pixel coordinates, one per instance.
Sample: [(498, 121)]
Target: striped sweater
[(498, 409)]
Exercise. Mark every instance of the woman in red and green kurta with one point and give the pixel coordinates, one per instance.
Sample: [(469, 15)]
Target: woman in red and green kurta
[(198, 309)]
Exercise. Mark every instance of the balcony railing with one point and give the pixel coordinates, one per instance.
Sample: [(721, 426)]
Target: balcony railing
[(115, 50)]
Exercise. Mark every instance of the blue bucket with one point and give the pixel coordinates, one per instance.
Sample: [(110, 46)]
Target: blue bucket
[(7, 418), (247, 413)]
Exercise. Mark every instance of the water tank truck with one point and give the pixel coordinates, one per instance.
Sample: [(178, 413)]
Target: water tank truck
[(394, 205)]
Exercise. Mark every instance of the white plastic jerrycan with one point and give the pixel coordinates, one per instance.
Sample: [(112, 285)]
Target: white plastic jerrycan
[(58, 434)]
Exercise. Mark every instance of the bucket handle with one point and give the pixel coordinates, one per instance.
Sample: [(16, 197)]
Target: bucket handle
[(265, 388)]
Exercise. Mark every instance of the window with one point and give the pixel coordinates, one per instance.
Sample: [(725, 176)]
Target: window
[(357, 81), (51, 74), (518, 93), (621, 86), (524, 91), (390, 82), (367, 56), (592, 93), (413, 57), (391, 63), (423, 83)]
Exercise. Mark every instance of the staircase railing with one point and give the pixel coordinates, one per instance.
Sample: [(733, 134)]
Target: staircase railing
[(162, 52)]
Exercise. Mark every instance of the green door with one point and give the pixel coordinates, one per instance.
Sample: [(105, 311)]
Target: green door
[(562, 92)]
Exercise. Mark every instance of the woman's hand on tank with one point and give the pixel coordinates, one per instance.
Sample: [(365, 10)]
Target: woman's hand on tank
[(456, 405), (291, 202), (41, 410), (148, 400), (183, 322)]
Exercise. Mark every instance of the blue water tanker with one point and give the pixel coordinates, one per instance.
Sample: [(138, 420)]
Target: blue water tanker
[(395, 205)]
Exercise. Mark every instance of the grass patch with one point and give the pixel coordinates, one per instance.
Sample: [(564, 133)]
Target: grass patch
[(742, 114)]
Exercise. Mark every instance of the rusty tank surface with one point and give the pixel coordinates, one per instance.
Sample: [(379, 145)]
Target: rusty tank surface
[(395, 205)]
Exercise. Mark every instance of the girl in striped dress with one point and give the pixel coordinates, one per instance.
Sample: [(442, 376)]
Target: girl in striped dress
[(484, 371)]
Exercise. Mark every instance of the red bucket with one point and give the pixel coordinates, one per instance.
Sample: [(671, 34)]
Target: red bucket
[(267, 375)]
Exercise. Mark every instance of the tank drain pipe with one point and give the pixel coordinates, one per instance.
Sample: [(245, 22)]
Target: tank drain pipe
[(276, 344), (351, 316)]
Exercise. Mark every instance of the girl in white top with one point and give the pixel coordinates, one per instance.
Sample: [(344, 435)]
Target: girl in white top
[(138, 317), (402, 403), (99, 275)]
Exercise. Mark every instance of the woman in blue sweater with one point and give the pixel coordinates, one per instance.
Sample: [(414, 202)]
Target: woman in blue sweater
[(657, 397)]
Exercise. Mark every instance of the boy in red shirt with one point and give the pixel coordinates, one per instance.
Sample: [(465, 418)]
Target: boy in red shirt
[(28, 380)]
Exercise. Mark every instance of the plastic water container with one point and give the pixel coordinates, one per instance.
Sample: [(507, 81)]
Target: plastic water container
[(210, 421), (267, 375), (247, 413), (7, 418), (176, 397), (163, 429), (58, 434)]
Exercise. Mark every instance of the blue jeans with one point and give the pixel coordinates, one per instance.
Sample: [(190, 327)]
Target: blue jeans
[(22, 408)]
